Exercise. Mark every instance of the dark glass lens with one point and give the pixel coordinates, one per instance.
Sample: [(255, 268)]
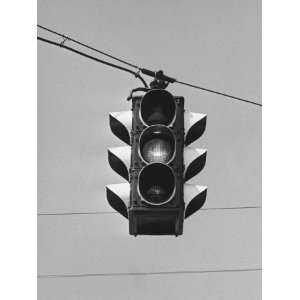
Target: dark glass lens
[(156, 183), (158, 107), (156, 193)]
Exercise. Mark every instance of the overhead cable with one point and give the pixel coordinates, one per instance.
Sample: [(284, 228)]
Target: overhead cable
[(48, 276), (88, 47), (157, 75), (114, 212), (62, 45)]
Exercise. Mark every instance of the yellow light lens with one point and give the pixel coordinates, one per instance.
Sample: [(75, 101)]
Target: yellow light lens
[(157, 150)]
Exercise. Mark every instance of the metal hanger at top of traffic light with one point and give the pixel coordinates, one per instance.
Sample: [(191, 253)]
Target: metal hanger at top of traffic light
[(161, 81)]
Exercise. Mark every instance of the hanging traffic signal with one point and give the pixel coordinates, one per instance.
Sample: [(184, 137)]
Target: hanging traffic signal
[(157, 162)]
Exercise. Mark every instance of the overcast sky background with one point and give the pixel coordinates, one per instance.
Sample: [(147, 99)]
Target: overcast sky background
[(213, 43)]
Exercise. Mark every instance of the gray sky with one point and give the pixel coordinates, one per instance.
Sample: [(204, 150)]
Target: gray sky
[(213, 43)]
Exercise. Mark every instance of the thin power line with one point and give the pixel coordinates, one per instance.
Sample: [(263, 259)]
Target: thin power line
[(78, 213), (218, 93), (145, 71), (93, 58), (114, 212), (232, 208), (147, 273), (89, 47)]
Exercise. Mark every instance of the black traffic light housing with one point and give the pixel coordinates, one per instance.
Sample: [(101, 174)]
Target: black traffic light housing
[(158, 117), (157, 163)]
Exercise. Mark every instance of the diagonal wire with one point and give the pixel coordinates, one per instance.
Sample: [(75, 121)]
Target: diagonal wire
[(88, 47), (218, 93), (145, 71), (93, 58)]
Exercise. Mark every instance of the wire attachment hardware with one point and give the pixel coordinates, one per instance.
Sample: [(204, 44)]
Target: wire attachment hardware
[(62, 43), (139, 89), (160, 81)]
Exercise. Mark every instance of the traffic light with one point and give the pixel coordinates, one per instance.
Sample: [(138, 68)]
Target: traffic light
[(157, 162)]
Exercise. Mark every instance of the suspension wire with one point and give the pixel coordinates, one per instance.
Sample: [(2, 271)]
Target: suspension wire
[(157, 75), (136, 74), (218, 93), (45, 276), (87, 46), (115, 212), (161, 76)]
